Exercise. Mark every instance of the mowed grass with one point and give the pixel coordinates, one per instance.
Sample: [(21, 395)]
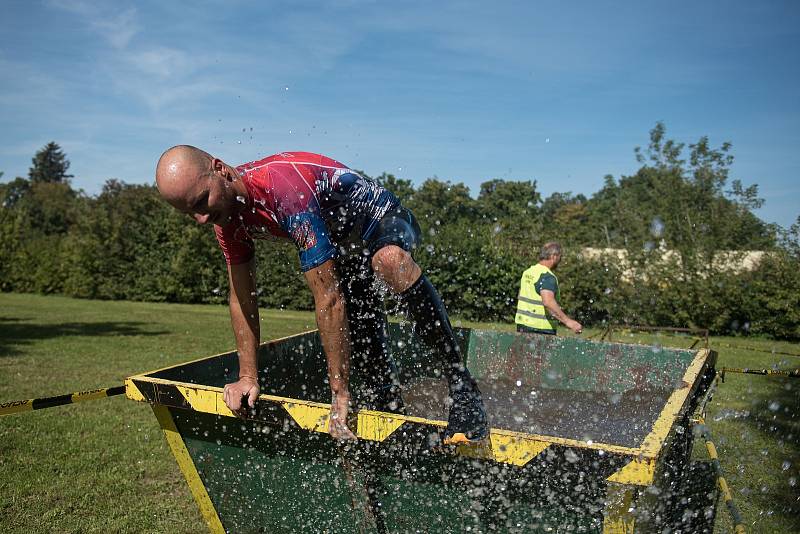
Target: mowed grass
[(103, 466)]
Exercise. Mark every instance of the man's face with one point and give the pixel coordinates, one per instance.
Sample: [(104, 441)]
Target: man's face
[(556, 260), (211, 199)]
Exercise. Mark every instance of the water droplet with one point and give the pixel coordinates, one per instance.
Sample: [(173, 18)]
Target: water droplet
[(657, 227)]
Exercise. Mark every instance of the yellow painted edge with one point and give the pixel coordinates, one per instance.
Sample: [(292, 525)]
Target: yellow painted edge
[(618, 525), (480, 449), (132, 392), (309, 417), (376, 426), (504, 449), (617, 519), (7, 408), (554, 440), (653, 442), (203, 400), (637, 472), (189, 470), (221, 409), (515, 451)]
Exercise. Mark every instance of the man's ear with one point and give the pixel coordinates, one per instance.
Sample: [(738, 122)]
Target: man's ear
[(220, 168)]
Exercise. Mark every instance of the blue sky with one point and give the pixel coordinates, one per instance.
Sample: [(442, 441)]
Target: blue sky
[(558, 92)]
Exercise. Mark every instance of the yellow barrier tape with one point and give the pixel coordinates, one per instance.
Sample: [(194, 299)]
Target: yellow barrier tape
[(26, 405)]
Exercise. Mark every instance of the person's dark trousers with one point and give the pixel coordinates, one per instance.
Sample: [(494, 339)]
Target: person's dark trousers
[(375, 384), (528, 330), (426, 310)]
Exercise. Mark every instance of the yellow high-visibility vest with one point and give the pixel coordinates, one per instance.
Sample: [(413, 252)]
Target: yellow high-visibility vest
[(530, 308)]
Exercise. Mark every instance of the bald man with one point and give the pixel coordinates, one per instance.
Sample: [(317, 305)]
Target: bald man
[(348, 231)]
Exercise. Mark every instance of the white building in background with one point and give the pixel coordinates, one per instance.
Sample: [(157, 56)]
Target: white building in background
[(731, 261)]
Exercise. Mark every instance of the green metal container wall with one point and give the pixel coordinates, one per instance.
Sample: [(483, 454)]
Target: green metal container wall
[(593, 437)]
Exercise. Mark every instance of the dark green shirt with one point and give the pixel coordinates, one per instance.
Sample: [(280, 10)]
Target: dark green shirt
[(547, 281)]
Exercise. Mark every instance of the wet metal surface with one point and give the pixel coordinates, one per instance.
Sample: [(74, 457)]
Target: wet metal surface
[(615, 418)]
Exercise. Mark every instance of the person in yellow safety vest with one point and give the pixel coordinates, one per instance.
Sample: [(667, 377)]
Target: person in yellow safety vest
[(537, 304)]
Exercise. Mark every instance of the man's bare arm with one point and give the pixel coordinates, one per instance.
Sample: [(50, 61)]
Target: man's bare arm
[(550, 302), (243, 303), (334, 332)]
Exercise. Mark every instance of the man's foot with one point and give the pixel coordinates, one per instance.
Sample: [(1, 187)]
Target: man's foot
[(467, 420)]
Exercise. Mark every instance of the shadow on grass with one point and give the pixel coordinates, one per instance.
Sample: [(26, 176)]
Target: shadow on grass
[(15, 332)]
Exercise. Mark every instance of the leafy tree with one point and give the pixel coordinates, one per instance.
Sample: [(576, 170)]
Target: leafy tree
[(436, 203), (498, 198), (790, 239), (565, 217), (10, 194), (403, 189), (50, 165), (682, 202), (50, 207), (126, 243)]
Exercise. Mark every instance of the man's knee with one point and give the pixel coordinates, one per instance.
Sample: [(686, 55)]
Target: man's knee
[(396, 267)]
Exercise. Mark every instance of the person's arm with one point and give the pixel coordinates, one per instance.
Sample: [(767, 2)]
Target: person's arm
[(335, 335), (549, 301), (243, 304)]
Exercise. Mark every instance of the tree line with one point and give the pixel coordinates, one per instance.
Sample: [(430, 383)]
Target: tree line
[(126, 243)]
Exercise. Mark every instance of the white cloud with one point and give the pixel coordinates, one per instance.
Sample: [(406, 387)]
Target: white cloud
[(116, 28), (162, 62), (119, 29)]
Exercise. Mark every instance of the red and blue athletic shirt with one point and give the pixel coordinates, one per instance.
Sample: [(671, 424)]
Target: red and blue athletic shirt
[(308, 198)]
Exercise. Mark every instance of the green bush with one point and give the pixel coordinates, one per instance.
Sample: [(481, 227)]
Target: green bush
[(128, 244)]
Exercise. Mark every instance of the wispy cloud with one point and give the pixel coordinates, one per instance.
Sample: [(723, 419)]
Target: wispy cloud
[(447, 88), (116, 28)]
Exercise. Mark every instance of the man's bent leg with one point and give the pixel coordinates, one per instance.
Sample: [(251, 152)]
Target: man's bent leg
[(467, 419), (374, 371), (395, 237)]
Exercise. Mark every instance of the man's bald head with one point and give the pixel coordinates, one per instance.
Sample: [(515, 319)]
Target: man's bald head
[(178, 170), (200, 185)]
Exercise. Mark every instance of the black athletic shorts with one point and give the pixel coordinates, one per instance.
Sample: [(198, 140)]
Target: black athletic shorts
[(398, 227)]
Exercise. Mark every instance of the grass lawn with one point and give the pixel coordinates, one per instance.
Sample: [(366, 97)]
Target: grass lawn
[(103, 466)]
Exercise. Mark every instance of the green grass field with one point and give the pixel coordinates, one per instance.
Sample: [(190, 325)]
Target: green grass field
[(103, 466)]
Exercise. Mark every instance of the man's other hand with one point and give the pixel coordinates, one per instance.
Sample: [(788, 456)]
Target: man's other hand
[(575, 326), (337, 423), (234, 393)]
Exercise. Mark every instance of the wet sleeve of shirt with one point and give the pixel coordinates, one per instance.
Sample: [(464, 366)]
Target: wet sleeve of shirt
[(547, 281), (308, 232), (236, 245)]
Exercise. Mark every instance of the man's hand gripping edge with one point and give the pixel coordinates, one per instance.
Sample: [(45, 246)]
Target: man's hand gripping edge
[(234, 393)]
